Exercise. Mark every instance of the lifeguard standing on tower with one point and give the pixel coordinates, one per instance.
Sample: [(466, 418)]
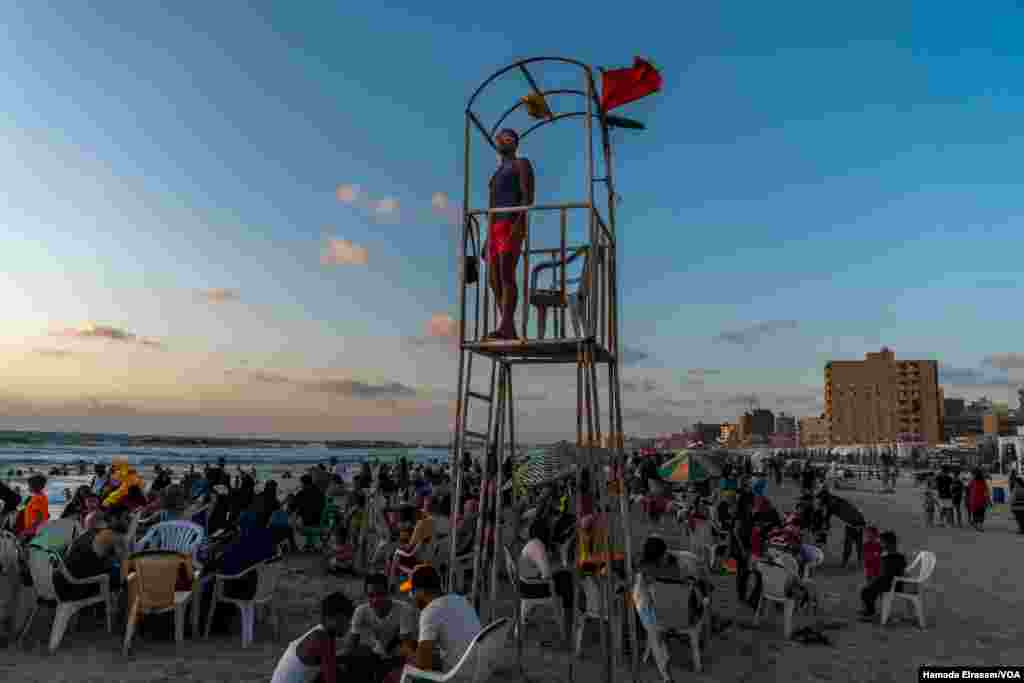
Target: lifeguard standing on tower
[(569, 275)]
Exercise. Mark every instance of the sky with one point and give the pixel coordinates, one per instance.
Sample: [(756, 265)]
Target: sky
[(237, 218)]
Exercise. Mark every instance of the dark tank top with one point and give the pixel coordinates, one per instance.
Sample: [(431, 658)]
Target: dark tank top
[(506, 188)]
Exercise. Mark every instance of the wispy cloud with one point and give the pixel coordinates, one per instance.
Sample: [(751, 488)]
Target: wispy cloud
[(442, 206), (379, 208), (749, 336), (977, 376), (632, 357), (347, 193), (60, 354), (348, 388), (109, 333), (642, 386), (1005, 361), (218, 295), (339, 252)]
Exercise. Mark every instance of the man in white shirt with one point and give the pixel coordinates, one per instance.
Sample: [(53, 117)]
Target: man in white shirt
[(382, 631), (447, 622)]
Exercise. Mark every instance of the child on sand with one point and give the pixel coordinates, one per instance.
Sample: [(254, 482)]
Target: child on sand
[(893, 566)]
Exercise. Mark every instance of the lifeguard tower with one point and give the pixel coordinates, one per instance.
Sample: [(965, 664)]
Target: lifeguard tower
[(567, 315)]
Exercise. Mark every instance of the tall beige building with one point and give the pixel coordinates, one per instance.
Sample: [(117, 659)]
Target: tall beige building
[(814, 431), (881, 400)]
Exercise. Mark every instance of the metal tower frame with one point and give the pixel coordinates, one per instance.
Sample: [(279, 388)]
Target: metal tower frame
[(592, 339)]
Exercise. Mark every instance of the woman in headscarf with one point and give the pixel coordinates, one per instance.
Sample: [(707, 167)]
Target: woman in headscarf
[(76, 506), (242, 497), (254, 545), (978, 499)]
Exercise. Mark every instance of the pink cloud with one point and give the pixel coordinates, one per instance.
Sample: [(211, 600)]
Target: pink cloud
[(109, 333), (347, 193), (218, 295), (442, 325), (339, 252)]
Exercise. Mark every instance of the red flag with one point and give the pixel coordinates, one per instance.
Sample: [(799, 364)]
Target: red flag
[(622, 86)]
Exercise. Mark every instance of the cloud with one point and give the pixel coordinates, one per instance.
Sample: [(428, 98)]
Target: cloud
[(642, 386), (109, 333), (218, 295), (59, 354), (339, 252), (348, 388), (752, 335), (632, 357), (973, 376), (1005, 361), (442, 206), (439, 201), (442, 325), (386, 206), (347, 193)]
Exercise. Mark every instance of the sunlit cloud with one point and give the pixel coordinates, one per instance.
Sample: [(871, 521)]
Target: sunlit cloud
[(386, 206), (218, 295), (347, 193), (339, 252), (59, 354), (109, 333), (349, 388), (442, 325)]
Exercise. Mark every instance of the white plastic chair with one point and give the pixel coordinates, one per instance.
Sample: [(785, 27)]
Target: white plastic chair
[(526, 605), (924, 563), (178, 537), (646, 596), (476, 665), (269, 575), (44, 565), (776, 581)]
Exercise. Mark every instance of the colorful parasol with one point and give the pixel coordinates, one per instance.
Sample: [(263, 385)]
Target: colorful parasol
[(685, 466)]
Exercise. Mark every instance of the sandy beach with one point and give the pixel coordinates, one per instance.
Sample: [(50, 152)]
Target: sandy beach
[(973, 619)]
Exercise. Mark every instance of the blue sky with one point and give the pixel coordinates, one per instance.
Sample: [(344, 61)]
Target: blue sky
[(851, 170)]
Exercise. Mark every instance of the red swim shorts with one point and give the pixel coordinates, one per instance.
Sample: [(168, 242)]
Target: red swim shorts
[(500, 239)]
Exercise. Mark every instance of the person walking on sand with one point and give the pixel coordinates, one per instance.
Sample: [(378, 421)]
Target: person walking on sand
[(978, 499), (511, 185)]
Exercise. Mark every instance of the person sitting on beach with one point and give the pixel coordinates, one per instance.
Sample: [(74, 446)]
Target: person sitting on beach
[(534, 565), (381, 634), (309, 503), (872, 554), (100, 481), (254, 545), (894, 565), (37, 511), (411, 551), (10, 500), (241, 498), (447, 622), (94, 553), (265, 503), (314, 653)]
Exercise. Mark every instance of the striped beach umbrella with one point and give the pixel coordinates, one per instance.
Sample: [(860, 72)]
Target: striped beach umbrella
[(685, 466)]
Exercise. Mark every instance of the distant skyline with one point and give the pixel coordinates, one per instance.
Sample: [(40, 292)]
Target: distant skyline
[(226, 220)]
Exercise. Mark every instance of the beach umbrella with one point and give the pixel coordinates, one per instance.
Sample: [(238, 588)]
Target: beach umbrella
[(686, 466)]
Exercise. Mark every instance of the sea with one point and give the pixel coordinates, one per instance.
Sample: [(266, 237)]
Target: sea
[(44, 450)]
